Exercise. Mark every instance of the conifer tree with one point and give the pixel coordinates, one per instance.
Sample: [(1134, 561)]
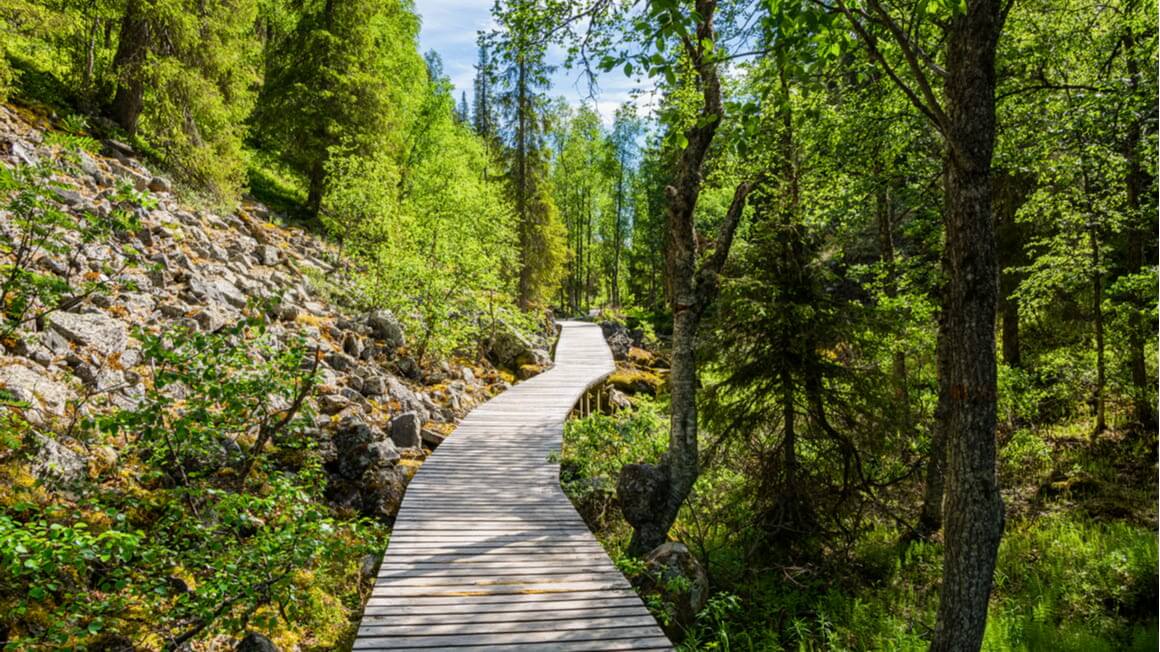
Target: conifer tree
[(345, 78), (183, 75), (524, 76)]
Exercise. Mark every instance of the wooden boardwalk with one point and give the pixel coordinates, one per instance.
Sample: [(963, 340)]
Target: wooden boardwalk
[(487, 552)]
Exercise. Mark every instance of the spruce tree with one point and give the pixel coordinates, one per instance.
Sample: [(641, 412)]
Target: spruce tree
[(524, 76), (483, 113), (345, 78), (184, 73)]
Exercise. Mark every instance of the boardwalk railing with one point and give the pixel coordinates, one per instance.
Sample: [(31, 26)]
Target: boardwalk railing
[(487, 552)]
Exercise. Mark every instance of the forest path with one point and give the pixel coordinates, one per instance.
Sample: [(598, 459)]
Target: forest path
[(487, 551)]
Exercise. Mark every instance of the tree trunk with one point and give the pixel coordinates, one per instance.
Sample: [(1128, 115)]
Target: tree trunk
[(1136, 182), (133, 44), (1098, 318), (617, 237), (1010, 192), (525, 228), (316, 183), (930, 520), (973, 508)]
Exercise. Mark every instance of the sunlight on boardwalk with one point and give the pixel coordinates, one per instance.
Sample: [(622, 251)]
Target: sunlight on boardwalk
[(487, 551)]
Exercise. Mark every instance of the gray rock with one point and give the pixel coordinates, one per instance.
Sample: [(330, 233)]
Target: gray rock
[(352, 442), (340, 361), (431, 439), (95, 330), (383, 452), (54, 342), (351, 345), (467, 375), (89, 166), (507, 347), (382, 491), (160, 184), (641, 491), (678, 579), (332, 403), (406, 429), (255, 642), (68, 197), (618, 400), (56, 463), (385, 328), (409, 368), (268, 255), (218, 290), (374, 386), (288, 312), (367, 568), (34, 386)]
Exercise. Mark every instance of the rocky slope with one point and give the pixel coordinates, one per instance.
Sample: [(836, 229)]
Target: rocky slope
[(378, 411)]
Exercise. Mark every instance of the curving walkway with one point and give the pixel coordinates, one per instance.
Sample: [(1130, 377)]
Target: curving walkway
[(487, 552)]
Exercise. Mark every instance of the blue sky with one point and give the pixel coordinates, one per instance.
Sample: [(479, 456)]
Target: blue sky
[(449, 28)]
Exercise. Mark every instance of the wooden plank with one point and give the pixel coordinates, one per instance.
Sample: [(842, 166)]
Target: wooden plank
[(642, 644), (480, 639), (428, 616), (407, 629), (524, 602)]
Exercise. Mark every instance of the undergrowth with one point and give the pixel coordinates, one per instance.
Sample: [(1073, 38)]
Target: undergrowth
[(1067, 578)]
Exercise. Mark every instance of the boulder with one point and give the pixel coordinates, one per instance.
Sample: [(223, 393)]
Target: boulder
[(409, 368), (431, 439), (255, 642), (268, 255), (509, 348), (374, 386), (674, 575), (96, 330), (406, 430), (160, 184), (618, 338), (340, 361), (385, 328), (56, 463), (33, 385), (617, 400), (352, 442), (382, 491), (332, 403)]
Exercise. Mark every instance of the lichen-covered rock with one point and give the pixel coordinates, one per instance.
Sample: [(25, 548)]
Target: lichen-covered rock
[(509, 348), (55, 463), (385, 328), (34, 386), (255, 642), (96, 330), (406, 430), (641, 490), (675, 576)]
